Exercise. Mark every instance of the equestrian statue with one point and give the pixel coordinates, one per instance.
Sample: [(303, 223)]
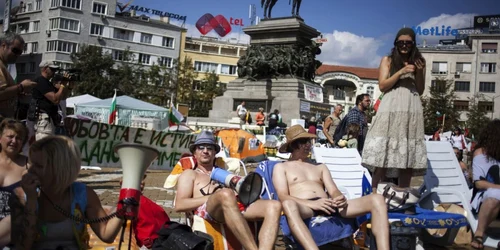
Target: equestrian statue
[(269, 4)]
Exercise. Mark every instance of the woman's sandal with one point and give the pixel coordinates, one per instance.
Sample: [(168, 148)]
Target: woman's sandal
[(479, 241)]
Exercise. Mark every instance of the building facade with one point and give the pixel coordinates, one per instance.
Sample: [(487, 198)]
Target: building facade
[(473, 65), (209, 54), (53, 29), (343, 83)]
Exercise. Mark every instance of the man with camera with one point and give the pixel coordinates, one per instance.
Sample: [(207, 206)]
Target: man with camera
[(46, 97)]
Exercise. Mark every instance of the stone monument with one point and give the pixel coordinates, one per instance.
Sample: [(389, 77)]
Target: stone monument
[(277, 72)]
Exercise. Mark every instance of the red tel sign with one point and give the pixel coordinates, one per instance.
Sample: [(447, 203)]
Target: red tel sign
[(219, 24)]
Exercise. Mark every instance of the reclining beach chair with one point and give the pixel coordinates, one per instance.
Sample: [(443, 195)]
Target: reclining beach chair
[(324, 229), (347, 173), (444, 182), (223, 238)]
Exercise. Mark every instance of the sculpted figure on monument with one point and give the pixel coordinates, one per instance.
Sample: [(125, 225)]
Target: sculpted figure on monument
[(268, 7), (273, 61)]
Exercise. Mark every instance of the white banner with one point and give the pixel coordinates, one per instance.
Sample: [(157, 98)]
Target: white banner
[(6, 16), (313, 93)]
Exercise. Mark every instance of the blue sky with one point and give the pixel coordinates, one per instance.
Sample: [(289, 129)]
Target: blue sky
[(358, 32)]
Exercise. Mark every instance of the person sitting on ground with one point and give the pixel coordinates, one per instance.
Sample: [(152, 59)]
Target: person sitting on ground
[(485, 174), (350, 140), (13, 135), (197, 192), (301, 186), (50, 188)]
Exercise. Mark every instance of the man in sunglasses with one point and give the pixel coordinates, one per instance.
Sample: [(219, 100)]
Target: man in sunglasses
[(197, 192), (307, 190), (45, 102), (11, 47)]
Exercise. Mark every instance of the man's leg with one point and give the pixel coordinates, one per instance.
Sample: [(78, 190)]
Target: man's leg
[(295, 214), (222, 207), (375, 205), (270, 212)]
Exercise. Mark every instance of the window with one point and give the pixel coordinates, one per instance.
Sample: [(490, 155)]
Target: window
[(118, 55), (370, 90), (464, 67), (487, 87), (21, 68), (34, 47), (99, 8), (228, 69), (25, 48), (64, 24), (168, 42), (489, 47), (31, 67), (205, 66), (165, 61), (146, 38), (440, 68), (96, 29), (62, 46), (36, 26), (74, 4), (54, 3), (339, 94), (144, 59), (485, 106), (38, 4), (488, 67), (461, 105), (29, 7), (123, 34), (23, 28), (462, 86), (438, 85)]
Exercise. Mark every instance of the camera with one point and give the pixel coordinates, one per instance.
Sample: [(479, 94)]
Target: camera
[(74, 75)]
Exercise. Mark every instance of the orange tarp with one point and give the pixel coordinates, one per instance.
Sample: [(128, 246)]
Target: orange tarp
[(240, 143)]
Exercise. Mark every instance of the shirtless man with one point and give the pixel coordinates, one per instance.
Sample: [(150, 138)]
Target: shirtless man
[(301, 189), (196, 192)]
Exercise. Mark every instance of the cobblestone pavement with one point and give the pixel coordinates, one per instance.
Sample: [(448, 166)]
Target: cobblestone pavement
[(106, 183)]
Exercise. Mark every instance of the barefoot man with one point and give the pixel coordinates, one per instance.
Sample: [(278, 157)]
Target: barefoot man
[(197, 192), (301, 189)]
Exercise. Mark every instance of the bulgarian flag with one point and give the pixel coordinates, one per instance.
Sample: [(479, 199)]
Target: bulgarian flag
[(377, 103), (112, 111), (174, 117)]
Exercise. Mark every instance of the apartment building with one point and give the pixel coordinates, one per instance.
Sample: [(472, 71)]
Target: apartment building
[(210, 54), (473, 65), (53, 29)]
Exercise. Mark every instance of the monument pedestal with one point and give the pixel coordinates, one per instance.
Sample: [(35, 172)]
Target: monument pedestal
[(276, 73)]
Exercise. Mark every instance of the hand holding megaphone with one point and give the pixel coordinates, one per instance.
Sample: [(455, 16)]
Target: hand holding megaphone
[(248, 187)]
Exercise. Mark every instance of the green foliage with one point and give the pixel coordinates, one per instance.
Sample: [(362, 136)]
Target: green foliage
[(186, 74), (209, 88), (477, 117), (440, 100)]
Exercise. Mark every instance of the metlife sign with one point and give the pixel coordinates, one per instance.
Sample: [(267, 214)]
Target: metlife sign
[(435, 31)]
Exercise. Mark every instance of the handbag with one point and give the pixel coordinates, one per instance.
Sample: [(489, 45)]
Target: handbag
[(398, 198), (175, 236)]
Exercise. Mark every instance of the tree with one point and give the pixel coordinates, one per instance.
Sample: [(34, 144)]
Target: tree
[(157, 83), (186, 74), (440, 103), (127, 75), (476, 117), (210, 87), (96, 67)]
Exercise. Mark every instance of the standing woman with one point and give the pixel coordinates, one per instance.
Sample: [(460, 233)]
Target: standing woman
[(395, 145)]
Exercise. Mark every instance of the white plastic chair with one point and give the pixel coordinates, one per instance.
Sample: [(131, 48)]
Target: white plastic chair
[(345, 168), (444, 182)]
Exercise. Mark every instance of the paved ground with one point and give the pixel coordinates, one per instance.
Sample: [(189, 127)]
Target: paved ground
[(106, 185)]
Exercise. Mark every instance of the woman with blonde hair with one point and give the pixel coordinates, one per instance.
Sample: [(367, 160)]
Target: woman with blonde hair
[(55, 209), (13, 135)]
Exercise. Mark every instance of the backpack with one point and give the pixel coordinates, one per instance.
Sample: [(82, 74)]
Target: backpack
[(175, 236), (150, 220), (340, 131)]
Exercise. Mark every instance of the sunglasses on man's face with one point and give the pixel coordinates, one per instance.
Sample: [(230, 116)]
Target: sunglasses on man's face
[(203, 147), (404, 43), (17, 51)]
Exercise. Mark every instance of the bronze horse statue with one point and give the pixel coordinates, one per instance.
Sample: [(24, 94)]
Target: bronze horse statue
[(269, 4)]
